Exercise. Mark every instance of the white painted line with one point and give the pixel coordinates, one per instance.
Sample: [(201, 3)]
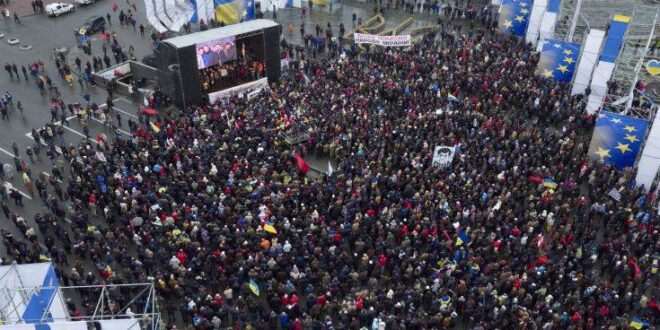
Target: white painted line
[(77, 133), (119, 110), (121, 98), (11, 154), (8, 185), (118, 129), (29, 136), (48, 175)]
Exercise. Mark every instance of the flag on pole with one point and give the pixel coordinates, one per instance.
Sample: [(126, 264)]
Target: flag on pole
[(462, 238), (301, 163)]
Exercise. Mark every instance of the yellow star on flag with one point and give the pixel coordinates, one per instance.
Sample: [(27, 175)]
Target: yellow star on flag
[(630, 129), (547, 73), (519, 19), (562, 68), (568, 60), (631, 138), (507, 24), (524, 11), (623, 147), (603, 153), (568, 52)]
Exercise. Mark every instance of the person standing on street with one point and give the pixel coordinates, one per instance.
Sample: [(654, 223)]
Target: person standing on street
[(17, 197), (14, 69), (27, 182), (8, 69), (14, 147)]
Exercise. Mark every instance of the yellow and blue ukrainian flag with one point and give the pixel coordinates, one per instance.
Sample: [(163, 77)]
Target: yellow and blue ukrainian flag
[(234, 11), (514, 16), (558, 60), (617, 139)]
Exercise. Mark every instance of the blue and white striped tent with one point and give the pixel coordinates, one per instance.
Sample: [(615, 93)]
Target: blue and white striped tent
[(31, 299), (31, 294)]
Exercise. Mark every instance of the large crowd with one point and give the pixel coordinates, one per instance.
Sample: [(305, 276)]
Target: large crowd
[(519, 232)]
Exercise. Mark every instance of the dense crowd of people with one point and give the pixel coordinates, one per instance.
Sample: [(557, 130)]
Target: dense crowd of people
[(519, 232)]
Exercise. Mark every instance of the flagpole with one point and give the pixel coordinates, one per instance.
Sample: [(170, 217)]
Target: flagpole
[(640, 63), (576, 14)]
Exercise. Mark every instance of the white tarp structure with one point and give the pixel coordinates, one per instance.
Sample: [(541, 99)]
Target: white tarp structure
[(649, 161), (205, 10), (31, 298), (117, 324), (171, 15), (605, 68), (548, 22), (602, 75), (267, 5), (588, 61), (150, 8), (535, 19), (29, 294)]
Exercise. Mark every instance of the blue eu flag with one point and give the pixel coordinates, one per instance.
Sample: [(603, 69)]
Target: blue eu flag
[(514, 16), (558, 60), (617, 139)]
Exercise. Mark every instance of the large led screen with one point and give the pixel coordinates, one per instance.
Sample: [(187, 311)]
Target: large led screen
[(215, 52)]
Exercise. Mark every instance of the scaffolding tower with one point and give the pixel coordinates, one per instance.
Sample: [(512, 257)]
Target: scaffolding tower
[(643, 30)]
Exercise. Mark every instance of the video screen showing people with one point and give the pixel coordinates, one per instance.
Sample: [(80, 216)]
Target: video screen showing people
[(246, 66), (215, 52)]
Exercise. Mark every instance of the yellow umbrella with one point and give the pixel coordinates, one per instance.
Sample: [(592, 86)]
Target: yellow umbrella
[(254, 287), (270, 229)]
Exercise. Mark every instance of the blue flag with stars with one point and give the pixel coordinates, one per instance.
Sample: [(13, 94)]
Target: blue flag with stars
[(617, 139), (558, 60), (514, 16)]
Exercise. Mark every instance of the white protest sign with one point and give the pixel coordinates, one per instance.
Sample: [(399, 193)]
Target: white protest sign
[(385, 41)]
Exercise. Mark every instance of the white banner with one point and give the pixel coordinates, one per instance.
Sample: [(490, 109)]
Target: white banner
[(240, 89), (385, 41)]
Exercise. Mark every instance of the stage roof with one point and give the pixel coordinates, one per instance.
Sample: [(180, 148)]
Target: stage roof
[(221, 32)]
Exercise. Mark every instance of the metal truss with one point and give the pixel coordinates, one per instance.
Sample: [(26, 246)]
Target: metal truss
[(142, 307), (643, 30)]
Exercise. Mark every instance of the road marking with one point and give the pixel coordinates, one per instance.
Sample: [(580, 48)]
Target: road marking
[(11, 154), (8, 185), (104, 105), (118, 129), (121, 98), (78, 133)]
